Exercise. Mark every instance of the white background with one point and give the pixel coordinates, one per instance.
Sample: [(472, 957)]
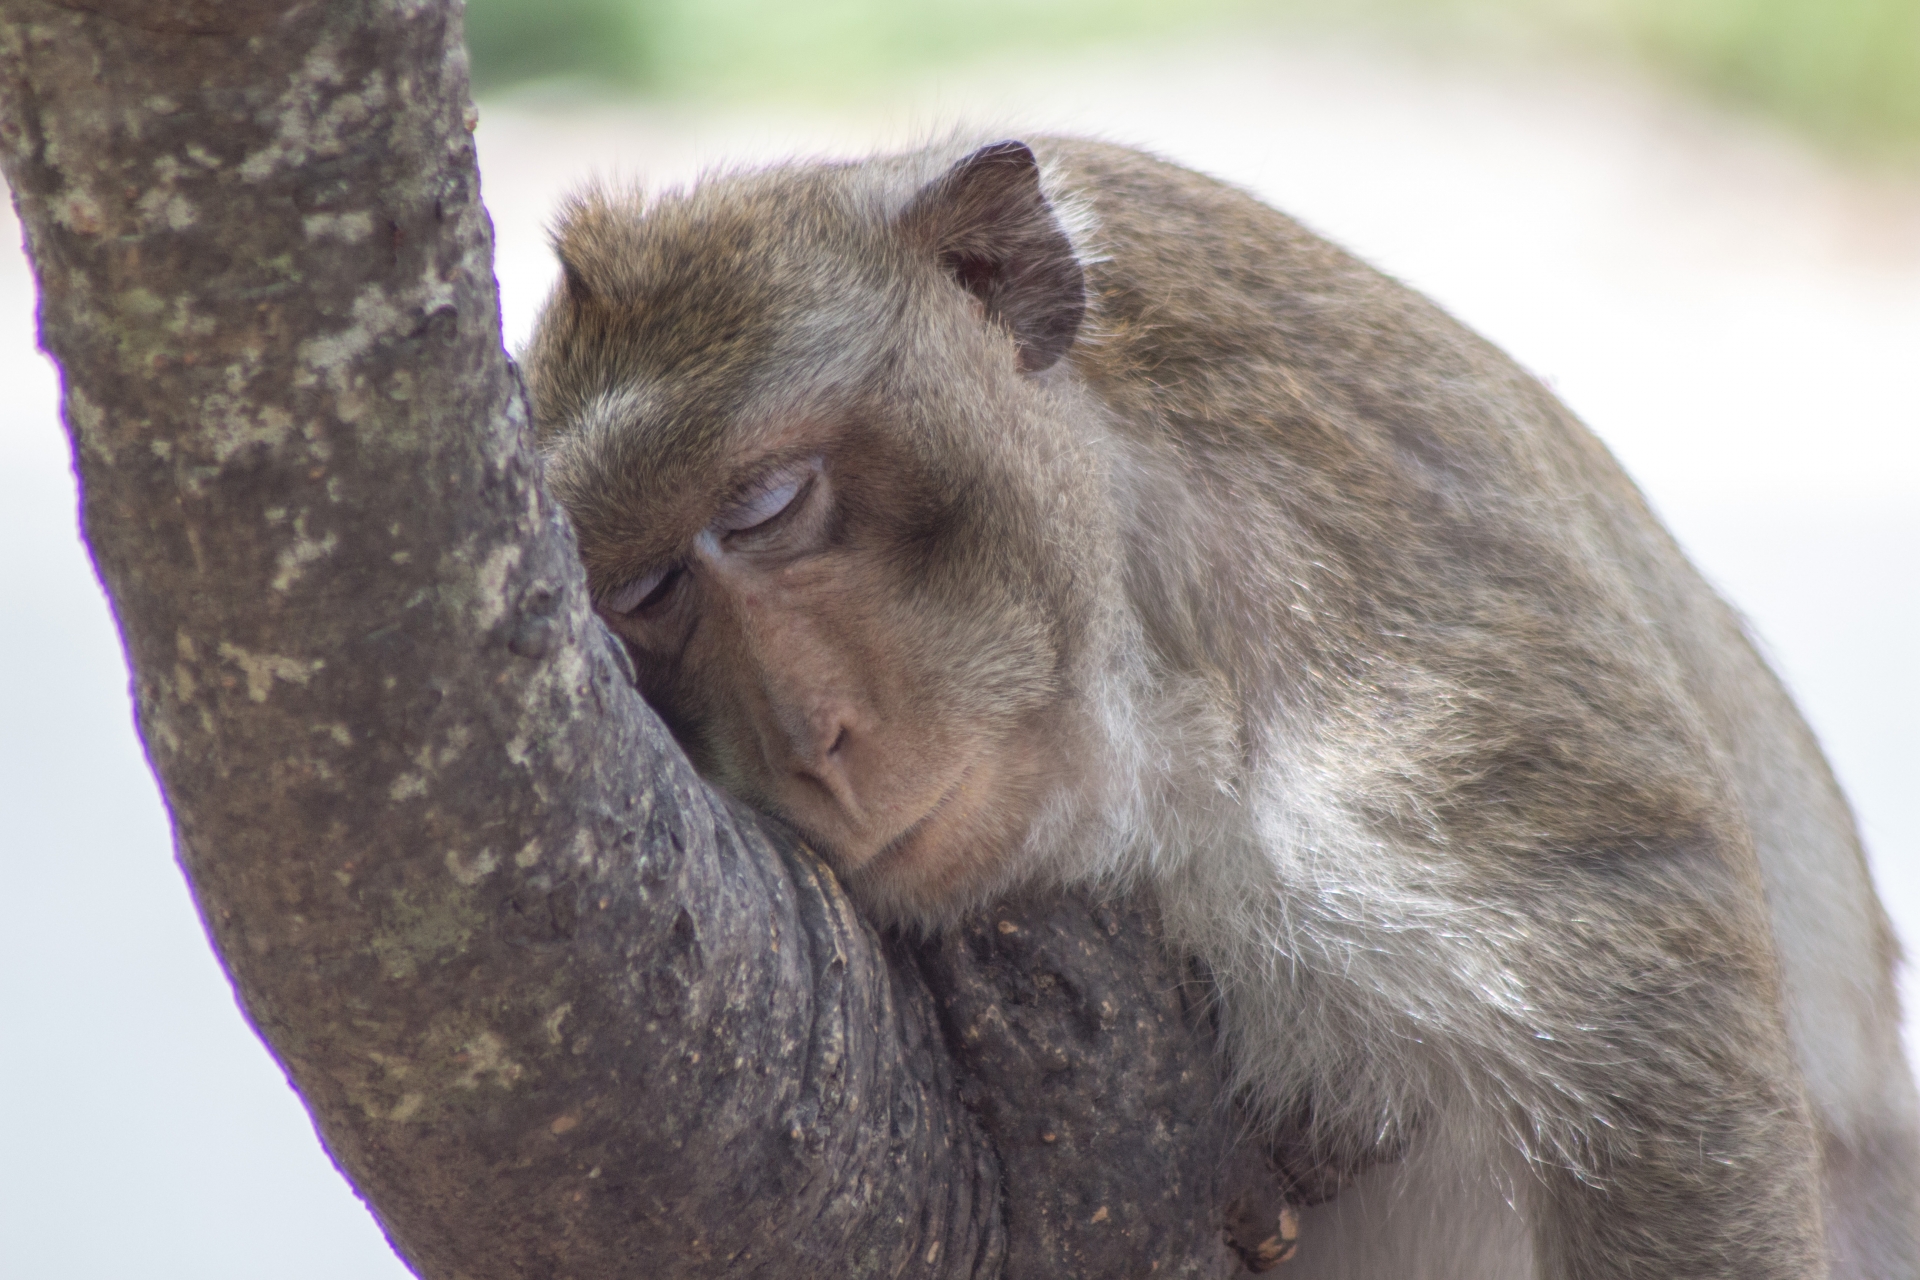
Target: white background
[(1740, 322)]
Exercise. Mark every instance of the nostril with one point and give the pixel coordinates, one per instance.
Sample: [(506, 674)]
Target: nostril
[(826, 768)]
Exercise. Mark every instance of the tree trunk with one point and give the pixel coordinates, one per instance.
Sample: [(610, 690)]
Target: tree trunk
[(557, 1008)]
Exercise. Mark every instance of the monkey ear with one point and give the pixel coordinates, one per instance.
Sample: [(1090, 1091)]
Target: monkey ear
[(577, 291), (592, 238), (996, 235)]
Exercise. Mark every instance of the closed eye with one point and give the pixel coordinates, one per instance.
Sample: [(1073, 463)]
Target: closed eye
[(644, 593), (766, 502)]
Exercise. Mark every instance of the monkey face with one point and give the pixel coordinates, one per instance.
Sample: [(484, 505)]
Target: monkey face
[(816, 477), (814, 662)]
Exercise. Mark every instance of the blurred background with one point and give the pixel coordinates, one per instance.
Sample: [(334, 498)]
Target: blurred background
[(1699, 220)]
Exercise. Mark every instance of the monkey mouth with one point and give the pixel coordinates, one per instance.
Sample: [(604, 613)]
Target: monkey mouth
[(901, 845)]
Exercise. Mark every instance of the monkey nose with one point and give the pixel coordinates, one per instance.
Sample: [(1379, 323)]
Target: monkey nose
[(821, 757)]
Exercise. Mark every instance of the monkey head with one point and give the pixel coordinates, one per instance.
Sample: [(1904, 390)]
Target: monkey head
[(837, 491)]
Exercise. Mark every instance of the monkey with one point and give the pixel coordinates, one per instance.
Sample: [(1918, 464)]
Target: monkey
[(1043, 513)]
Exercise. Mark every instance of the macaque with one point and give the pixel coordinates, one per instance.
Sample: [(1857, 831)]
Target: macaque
[(1044, 513)]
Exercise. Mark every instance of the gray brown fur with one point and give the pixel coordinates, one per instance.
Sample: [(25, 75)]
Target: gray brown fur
[(1537, 920)]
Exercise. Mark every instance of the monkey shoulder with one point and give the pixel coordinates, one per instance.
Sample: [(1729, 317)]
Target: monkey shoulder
[(1355, 509)]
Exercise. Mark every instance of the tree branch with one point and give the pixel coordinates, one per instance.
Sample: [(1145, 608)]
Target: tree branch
[(556, 1007)]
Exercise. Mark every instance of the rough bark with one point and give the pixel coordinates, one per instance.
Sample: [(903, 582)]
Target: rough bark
[(556, 1007)]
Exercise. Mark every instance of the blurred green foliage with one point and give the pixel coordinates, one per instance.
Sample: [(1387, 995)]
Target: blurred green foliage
[(1847, 71), (747, 47), (604, 41)]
